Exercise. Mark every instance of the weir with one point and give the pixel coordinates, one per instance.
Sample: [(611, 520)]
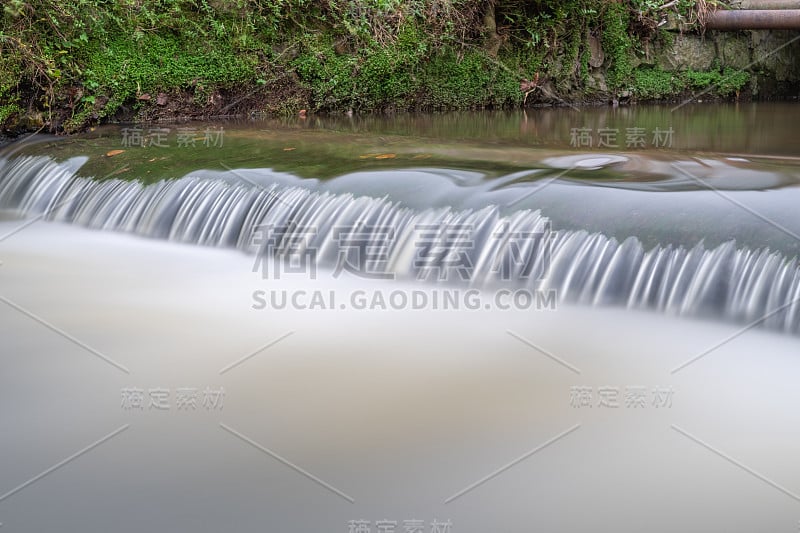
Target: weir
[(481, 248)]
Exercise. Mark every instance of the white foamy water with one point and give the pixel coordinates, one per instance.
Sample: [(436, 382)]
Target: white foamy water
[(372, 415), (738, 284)]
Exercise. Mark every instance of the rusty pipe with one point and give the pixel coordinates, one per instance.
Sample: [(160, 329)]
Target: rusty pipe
[(761, 19), (768, 4)]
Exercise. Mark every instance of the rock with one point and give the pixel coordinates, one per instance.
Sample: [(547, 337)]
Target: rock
[(776, 53), (734, 50), (597, 56), (32, 120), (597, 81), (688, 52)]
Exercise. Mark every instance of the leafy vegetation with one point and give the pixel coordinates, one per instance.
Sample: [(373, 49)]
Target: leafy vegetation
[(655, 84), (617, 43), (67, 64)]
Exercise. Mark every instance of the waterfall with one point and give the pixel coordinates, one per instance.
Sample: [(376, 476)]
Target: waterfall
[(482, 247)]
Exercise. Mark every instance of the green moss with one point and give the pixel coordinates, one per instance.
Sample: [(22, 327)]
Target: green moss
[(652, 83), (617, 44), (452, 80), (328, 74), (720, 83), (123, 69), (470, 81), (732, 81), (8, 111), (701, 80)]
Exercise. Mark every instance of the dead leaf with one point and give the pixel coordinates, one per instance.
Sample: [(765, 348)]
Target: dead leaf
[(120, 171), (112, 153), (289, 149), (386, 156)]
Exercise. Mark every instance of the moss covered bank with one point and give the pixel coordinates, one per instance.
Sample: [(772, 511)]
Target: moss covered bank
[(67, 65)]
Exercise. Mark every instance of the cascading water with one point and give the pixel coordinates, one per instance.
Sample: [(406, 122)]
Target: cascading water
[(739, 284)]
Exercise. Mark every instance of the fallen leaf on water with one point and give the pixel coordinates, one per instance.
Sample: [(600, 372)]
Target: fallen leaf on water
[(112, 153), (386, 156), (120, 171)]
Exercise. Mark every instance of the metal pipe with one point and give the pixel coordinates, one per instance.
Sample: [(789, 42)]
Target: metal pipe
[(768, 4), (762, 19)]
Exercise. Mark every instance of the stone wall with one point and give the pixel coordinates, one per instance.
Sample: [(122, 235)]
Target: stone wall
[(772, 57)]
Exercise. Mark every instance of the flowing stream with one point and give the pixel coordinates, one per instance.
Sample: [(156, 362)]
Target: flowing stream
[(323, 327)]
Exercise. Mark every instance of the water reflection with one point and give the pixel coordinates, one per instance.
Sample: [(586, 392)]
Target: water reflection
[(768, 128)]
